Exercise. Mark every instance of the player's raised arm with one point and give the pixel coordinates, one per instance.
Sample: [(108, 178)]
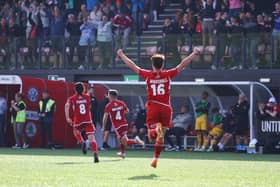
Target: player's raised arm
[(128, 61), (104, 121), (186, 61), (66, 110)]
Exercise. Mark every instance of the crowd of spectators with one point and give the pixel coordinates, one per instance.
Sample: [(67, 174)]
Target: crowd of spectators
[(224, 24), (31, 25)]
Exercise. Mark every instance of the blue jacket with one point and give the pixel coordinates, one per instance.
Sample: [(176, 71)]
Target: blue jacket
[(88, 35)]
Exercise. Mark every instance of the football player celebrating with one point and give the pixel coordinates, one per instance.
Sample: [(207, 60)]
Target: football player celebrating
[(80, 104), (159, 110), (117, 109)]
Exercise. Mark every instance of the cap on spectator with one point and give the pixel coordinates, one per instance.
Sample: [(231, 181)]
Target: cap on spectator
[(272, 100)]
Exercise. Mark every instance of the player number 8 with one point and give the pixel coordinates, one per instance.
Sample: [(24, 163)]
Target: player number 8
[(82, 109), (158, 89)]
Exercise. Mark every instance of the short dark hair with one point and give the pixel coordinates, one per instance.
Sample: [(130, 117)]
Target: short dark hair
[(79, 87), (113, 93), (157, 60), (20, 95), (205, 93)]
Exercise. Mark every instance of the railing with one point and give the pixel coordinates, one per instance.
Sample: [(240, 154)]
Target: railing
[(223, 51)]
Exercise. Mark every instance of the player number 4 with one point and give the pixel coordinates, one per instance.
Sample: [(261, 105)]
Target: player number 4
[(118, 115), (158, 89)]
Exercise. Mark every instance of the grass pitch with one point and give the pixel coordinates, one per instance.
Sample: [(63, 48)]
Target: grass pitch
[(37, 167)]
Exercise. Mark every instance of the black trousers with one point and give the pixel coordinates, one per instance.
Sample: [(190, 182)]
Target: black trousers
[(177, 132), (46, 129), (2, 132)]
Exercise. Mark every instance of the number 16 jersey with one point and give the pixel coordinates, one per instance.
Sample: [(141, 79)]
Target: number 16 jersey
[(80, 105), (158, 84)]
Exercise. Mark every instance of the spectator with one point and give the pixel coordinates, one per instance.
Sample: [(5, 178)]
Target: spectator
[(181, 123), (253, 39), (234, 8), (140, 128), (216, 129), (104, 41), (208, 15), (122, 24), (57, 35), (236, 35), (186, 29), (73, 28), (90, 4), (201, 108), (95, 14), (20, 16), (188, 6), (276, 29), (83, 13), (155, 6), (31, 13), (4, 40), (229, 127), (221, 32), (120, 7), (18, 112), (137, 14), (87, 41), (34, 34), (3, 112), (224, 6), (44, 16), (241, 112), (169, 40), (46, 111), (14, 33), (272, 109)]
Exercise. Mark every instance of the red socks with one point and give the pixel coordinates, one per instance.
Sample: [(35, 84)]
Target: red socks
[(94, 147), (78, 136), (152, 134), (122, 147), (158, 149)]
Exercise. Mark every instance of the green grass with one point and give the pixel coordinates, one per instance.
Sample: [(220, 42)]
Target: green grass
[(37, 167)]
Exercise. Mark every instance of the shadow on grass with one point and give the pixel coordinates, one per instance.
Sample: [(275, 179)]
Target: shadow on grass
[(144, 177), (71, 163), (146, 154)]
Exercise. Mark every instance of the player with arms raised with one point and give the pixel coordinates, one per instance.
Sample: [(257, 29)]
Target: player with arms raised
[(117, 109), (159, 110), (80, 104)]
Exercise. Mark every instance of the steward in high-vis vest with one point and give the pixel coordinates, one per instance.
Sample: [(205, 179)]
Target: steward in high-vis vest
[(18, 119), (46, 113)]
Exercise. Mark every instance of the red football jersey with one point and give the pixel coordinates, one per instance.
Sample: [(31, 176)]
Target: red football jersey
[(117, 109), (158, 84), (81, 109)]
